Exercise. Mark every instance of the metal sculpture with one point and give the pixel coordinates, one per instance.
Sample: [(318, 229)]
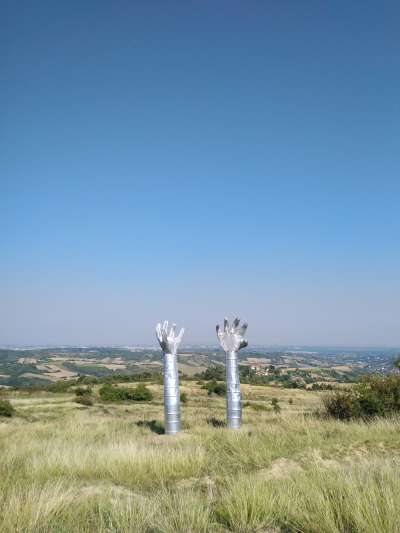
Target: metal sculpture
[(232, 341), (172, 404)]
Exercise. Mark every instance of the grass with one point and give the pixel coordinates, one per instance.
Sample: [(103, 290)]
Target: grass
[(69, 468)]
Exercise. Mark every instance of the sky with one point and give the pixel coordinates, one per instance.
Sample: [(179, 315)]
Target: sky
[(190, 160)]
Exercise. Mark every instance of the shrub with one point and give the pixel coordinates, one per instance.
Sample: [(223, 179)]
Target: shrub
[(214, 386), (341, 404), (6, 409), (80, 391), (184, 398), (373, 395), (59, 386), (142, 394), (84, 400), (111, 394), (275, 405), (290, 401), (378, 395)]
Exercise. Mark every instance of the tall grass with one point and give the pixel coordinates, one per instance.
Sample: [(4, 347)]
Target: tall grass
[(77, 470)]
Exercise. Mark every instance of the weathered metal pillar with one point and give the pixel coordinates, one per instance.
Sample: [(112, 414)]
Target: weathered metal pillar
[(172, 403), (231, 342)]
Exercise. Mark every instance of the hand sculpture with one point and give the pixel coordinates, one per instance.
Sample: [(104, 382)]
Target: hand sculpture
[(169, 344), (172, 406), (232, 341)]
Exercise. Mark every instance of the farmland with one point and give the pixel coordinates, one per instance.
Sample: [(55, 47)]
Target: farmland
[(41, 366)]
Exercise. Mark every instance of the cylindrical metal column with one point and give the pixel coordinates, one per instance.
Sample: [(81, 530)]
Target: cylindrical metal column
[(172, 402), (233, 394)]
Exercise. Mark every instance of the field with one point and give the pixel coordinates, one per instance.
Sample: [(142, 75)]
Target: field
[(110, 468)]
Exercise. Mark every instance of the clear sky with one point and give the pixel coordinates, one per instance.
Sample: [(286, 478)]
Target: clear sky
[(191, 160)]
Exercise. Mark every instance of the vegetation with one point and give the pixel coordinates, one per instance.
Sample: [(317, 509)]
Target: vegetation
[(214, 386), (6, 409), (214, 372), (184, 398), (373, 395), (59, 386), (112, 394), (276, 405), (68, 469), (84, 400)]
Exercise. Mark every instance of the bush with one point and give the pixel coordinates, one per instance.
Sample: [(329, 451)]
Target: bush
[(214, 386), (378, 395), (111, 394), (275, 405), (59, 386), (84, 400), (6, 409), (184, 398), (80, 391), (373, 395), (142, 394), (341, 404)]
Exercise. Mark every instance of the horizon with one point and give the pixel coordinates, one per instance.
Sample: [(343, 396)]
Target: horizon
[(268, 347)]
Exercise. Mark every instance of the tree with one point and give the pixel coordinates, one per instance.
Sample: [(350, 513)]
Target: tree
[(396, 360), (214, 372)]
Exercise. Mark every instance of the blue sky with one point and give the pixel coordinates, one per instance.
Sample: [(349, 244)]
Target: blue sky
[(189, 160)]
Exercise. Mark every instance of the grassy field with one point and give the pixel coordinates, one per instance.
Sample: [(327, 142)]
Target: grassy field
[(110, 468)]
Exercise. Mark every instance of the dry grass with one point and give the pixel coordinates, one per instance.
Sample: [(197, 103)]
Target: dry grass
[(67, 468)]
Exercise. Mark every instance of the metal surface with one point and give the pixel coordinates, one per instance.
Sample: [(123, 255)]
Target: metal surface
[(172, 404), (232, 341)]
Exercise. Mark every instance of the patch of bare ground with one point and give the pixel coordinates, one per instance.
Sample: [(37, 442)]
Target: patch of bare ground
[(115, 367), (47, 376), (62, 374)]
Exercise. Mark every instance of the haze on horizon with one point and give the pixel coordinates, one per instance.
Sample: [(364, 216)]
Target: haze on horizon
[(187, 161)]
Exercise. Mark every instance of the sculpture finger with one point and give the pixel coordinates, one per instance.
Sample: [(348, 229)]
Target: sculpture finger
[(179, 337), (158, 332), (226, 325), (242, 330), (165, 339), (172, 334), (165, 327), (243, 344), (219, 332), (235, 325)]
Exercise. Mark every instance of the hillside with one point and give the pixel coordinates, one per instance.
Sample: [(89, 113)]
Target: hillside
[(41, 366), (67, 468)]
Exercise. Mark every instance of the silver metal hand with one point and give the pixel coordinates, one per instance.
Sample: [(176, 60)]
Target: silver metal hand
[(169, 344), (172, 407), (232, 339)]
